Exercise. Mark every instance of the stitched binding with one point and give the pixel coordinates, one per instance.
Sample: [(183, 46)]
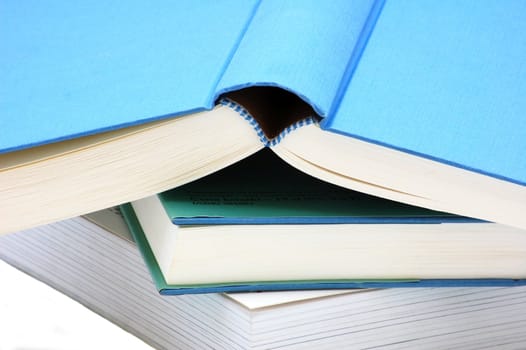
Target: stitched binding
[(255, 125)]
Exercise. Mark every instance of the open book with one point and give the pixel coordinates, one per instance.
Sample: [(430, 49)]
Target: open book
[(418, 102)]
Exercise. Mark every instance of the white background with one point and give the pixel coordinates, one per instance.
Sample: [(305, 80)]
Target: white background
[(35, 316)]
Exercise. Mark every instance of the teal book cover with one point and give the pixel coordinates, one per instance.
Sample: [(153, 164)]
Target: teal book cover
[(263, 189), (165, 288)]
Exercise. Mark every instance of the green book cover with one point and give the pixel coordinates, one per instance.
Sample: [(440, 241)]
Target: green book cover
[(250, 286), (142, 243), (263, 189)]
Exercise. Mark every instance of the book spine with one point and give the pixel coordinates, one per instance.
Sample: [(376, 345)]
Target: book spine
[(213, 92), (355, 57), (302, 47), (268, 142)]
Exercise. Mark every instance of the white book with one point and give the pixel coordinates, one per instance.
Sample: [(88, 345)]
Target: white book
[(106, 273)]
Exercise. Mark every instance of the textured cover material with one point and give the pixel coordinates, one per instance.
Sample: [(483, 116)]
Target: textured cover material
[(302, 47), (445, 80), (168, 289), (72, 68), (441, 79), (69, 70)]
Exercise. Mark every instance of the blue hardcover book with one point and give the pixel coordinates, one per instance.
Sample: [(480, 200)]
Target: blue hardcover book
[(237, 230), (415, 101)]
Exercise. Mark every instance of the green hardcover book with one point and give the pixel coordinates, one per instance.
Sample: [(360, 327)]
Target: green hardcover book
[(260, 225)]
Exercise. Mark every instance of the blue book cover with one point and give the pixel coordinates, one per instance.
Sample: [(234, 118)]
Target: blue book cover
[(440, 80), (82, 69), (69, 69), (448, 78), (445, 80)]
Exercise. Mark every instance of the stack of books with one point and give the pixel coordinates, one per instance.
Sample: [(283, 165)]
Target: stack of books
[(93, 260), (273, 146)]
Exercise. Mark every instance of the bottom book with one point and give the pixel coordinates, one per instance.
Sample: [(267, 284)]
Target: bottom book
[(105, 272)]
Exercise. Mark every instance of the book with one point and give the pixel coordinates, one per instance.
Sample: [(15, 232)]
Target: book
[(104, 271), (109, 106), (235, 230), (263, 189)]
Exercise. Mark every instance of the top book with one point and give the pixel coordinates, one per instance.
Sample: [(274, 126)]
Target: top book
[(419, 102)]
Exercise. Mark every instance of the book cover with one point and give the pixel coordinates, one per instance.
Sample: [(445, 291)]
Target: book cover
[(443, 80), (419, 102), (254, 286), (78, 70), (439, 80), (263, 189)]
